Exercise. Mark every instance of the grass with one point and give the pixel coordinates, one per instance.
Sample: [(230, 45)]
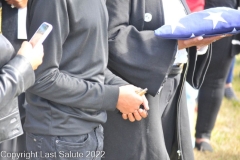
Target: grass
[(226, 134)]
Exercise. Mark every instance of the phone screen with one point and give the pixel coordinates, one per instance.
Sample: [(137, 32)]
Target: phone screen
[(40, 34)]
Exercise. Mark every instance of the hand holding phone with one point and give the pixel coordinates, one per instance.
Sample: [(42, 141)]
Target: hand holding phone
[(41, 34), (34, 56)]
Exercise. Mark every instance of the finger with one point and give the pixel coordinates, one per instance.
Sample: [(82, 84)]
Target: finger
[(124, 116), (145, 103), (207, 41), (191, 41), (224, 35), (26, 44), (12, 3), (17, 3), (39, 47), (143, 113), (221, 36), (137, 116), (229, 35), (130, 117), (20, 5), (9, 2), (214, 38), (140, 100)]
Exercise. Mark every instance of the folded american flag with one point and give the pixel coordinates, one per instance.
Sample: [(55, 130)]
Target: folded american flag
[(206, 23)]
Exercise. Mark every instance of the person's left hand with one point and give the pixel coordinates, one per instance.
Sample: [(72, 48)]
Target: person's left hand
[(136, 115), (199, 42), (17, 3)]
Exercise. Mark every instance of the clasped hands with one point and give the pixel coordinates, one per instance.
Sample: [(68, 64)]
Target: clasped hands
[(129, 103)]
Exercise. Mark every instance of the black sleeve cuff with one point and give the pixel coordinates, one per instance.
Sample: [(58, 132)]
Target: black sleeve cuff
[(23, 66)]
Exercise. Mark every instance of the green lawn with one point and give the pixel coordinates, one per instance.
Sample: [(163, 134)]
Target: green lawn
[(226, 134)]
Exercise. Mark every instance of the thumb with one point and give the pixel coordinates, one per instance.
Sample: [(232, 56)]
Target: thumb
[(145, 103), (26, 45)]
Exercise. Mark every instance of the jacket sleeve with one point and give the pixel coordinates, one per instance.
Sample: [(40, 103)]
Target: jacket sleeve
[(16, 76), (52, 83), (137, 56), (112, 79), (235, 47)]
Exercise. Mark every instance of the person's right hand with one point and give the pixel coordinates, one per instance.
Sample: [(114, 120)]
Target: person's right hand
[(34, 56), (129, 100)]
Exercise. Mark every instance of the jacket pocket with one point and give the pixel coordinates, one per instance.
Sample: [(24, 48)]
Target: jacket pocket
[(11, 126), (76, 146), (34, 141), (72, 141)]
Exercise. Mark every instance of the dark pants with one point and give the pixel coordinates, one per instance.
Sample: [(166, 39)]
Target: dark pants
[(211, 93), (153, 138), (83, 147), (169, 112)]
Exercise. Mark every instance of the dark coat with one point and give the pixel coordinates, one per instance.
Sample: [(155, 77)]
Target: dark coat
[(10, 31), (16, 76), (73, 84), (144, 60)]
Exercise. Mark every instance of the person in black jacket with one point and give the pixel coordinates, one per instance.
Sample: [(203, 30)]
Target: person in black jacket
[(74, 88), (16, 76), (147, 61), (211, 93), (10, 29)]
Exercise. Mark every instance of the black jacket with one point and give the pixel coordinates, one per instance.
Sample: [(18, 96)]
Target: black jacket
[(73, 86), (16, 75), (143, 59), (130, 36), (217, 3)]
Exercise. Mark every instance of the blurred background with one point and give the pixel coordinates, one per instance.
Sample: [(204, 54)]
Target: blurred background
[(226, 133)]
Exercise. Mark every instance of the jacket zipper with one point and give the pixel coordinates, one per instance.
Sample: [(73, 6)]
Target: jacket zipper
[(179, 151)]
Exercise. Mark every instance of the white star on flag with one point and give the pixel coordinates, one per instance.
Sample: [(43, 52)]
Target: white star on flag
[(234, 30), (175, 25), (215, 17), (192, 35)]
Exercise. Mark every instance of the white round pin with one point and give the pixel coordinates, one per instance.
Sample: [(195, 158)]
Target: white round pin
[(148, 17)]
